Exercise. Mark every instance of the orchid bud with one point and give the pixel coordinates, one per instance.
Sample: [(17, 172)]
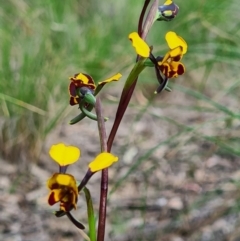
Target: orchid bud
[(168, 11)]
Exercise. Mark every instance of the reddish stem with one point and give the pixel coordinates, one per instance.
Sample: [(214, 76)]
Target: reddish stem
[(103, 206), (140, 22)]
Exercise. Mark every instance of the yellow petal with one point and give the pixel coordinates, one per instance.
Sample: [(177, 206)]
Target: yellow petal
[(168, 2), (115, 77), (64, 155), (175, 41), (102, 161), (139, 44)]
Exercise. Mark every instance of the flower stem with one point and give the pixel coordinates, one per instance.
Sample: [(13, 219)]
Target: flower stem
[(104, 178)]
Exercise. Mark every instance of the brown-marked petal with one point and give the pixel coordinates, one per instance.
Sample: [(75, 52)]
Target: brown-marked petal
[(74, 100), (57, 180), (55, 196), (81, 80), (72, 89), (64, 190)]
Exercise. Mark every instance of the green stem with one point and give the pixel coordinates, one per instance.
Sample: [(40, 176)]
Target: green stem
[(77, 118), (104, 178), (91, 219), (137, 69)]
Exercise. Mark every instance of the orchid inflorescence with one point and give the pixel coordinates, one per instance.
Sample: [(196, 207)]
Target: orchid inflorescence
[(64, 187)]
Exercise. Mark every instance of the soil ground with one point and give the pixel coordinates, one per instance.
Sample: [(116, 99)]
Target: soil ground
[(185, 189)]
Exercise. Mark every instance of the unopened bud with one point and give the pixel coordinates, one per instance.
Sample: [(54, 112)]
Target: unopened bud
[(168, 11)]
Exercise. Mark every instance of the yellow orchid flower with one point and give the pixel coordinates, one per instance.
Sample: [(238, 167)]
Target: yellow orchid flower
[(80, 80), (170, 64), (63, 189)]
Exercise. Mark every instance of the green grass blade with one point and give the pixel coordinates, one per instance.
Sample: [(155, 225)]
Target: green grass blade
[(91, 219)]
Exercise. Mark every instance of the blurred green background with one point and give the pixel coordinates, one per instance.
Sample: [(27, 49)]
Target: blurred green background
[(44, 42)]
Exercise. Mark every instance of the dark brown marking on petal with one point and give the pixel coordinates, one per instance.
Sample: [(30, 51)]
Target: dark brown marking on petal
[(181, 69), (78, 82), (51, 199), (74, 100), (177, 58), (72, 89)]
